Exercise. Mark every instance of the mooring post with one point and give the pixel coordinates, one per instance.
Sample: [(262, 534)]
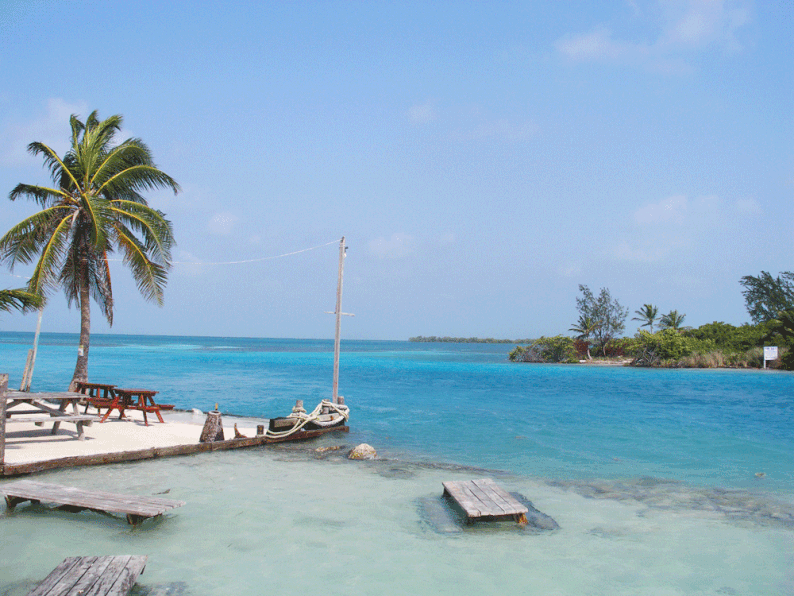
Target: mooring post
[(213, 427), (3, 392)]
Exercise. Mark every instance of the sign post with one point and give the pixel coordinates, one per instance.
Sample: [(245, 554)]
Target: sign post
[(770, 353)]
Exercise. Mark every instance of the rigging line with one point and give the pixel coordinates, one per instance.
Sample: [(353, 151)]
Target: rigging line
[(287, 254)]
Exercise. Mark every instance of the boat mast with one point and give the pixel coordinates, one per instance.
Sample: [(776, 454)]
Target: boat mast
[(338, 312)]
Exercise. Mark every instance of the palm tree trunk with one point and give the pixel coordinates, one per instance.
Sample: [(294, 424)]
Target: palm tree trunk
[(81, 368)]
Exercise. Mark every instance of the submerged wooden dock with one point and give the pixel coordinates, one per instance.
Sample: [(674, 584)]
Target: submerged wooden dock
[(484, 500), (92, 576), (136, 508)]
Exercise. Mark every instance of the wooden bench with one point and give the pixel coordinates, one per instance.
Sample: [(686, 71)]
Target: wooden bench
[(94, 576), (136, 508), (80, 420), (484, 500)]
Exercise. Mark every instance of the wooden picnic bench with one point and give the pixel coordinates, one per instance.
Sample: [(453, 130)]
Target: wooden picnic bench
[(92, 576), (136, 508), (39, 410), (136, 399), (99, 395), (484, 500)]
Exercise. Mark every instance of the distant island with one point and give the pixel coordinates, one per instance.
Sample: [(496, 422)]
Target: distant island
[(468, 340)]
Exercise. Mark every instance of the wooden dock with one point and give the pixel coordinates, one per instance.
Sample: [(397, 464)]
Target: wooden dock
[(136, 508), (92, 576), (484, 500)]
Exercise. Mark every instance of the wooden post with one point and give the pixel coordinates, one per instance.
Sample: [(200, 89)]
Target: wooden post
[(27, 368), (213, 428), (27, 378), (3, 389)]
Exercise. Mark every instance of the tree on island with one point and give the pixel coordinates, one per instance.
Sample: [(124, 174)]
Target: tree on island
[(766, 296), (647, 315), (584, 328), (606, 313), (673, 320), (94, 209), (19, 299)]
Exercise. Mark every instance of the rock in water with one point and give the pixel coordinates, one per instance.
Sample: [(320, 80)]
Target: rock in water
[(362, 451)]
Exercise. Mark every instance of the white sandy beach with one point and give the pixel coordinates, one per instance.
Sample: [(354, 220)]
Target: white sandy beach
[(27, 443)]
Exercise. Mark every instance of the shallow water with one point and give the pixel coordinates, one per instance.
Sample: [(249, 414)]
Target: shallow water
[(651, 475), (276, 521)]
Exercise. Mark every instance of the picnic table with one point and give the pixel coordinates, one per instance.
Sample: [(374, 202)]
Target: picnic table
[(39, 409), (98, 395), (135, 399)]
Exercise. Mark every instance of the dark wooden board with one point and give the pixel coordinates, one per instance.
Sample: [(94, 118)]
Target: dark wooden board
[(92, 576)]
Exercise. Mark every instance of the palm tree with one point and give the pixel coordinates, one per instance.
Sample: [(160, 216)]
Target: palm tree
[(19, 299), (94, 208), (673, 320), (647, 314), (584, 328)]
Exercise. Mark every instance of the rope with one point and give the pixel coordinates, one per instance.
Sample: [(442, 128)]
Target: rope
[(259, 260), (304, 418), (288, 254)]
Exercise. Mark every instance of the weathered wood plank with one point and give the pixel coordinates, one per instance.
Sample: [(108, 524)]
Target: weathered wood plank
[(485, 499), (154, 452), (92, 576), (93, 500)]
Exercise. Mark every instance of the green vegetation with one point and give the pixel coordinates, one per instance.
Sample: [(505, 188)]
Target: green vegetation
[(646, 315), (19, 299), (467, 340), (94, 209), (606, 314), (766, 296), (546, 349)]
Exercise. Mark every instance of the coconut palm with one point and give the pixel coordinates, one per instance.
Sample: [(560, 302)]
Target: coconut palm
[(647, 314), (94, 209), (673, 320), (19, 299), (584, 328)]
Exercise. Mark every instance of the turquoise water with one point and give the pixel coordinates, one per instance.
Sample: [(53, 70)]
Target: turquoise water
[(466, 404), (662, 481)]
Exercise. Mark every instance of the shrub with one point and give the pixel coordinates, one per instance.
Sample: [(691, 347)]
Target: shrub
[(546, 349)]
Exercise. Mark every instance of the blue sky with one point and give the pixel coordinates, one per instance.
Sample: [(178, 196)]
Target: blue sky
[(482, 159)]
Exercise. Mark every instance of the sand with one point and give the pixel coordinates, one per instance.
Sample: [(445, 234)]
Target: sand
[(27, 443)]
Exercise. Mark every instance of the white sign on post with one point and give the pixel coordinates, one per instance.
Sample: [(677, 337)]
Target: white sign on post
[(770, 353)]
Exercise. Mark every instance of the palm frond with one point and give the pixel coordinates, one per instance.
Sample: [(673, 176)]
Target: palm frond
[(41, 194), (44, 274), (157, 231), (51, 161), (24, 241), (21, 300), (139, 177), (149, 277)]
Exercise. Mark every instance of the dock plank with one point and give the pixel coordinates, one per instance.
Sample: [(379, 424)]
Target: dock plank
[(131, 505), (92, 576), (484, 499)]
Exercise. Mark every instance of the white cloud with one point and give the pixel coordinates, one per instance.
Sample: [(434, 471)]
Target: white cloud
[(682, 26), (51, 128), (422, 114), (221, 224), (397, 247), (670, 209), (748, 207)]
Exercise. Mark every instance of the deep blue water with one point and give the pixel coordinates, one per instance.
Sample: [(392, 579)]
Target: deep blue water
[(467, 404)]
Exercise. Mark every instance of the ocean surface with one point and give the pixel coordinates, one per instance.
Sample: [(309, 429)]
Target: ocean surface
[(661, 481)]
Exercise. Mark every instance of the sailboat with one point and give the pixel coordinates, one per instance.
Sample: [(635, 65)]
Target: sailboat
[(329, 415)]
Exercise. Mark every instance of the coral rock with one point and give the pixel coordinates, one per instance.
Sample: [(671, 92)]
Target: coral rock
[(362, 451)]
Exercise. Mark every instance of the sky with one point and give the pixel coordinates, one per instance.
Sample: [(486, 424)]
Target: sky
[(482, 159)]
